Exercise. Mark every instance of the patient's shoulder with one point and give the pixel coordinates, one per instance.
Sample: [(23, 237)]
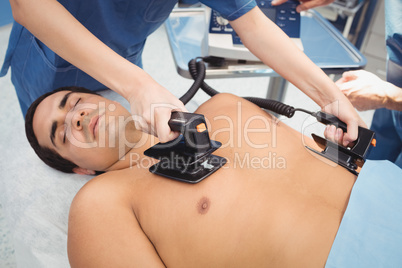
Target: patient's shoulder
[(105, 188), (101, 220)]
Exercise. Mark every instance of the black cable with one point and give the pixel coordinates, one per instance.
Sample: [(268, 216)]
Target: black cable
[(194, 74), (197, 71), (273, 105), (305, 111)]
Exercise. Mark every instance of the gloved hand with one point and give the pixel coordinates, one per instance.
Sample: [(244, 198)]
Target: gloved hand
[(306, 4), (367, 91)]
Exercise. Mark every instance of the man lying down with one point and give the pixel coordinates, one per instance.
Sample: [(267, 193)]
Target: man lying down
[(274, 204)]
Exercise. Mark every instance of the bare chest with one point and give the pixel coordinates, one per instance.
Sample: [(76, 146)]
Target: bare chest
[(235, 218)]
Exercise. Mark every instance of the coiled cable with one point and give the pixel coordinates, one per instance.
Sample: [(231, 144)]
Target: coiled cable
[(197, 70), (192, 67)]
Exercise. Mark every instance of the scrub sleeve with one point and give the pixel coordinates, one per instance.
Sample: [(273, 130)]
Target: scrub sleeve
[(123, 25), (388, 123)]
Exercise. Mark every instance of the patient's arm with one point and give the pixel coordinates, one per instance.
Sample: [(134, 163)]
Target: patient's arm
[(104, 231)]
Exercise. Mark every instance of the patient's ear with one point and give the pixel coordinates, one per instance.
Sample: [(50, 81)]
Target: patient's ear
[(83, 171)]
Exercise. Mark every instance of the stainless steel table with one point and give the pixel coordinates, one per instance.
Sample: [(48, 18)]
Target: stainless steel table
[(322, 43)]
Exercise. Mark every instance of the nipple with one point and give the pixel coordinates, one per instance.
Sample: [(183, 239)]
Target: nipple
[(203, 205)]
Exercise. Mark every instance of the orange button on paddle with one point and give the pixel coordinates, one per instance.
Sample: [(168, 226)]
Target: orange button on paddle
[(201, 127), (374, 142)]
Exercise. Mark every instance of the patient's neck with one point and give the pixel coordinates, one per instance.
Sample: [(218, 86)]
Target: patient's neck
[(134, 157)]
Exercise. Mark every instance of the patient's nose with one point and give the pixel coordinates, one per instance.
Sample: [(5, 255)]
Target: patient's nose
[(77, 119)]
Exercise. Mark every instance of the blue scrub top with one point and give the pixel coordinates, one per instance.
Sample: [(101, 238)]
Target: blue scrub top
[(123, 25), (393, 32), (387, 124)]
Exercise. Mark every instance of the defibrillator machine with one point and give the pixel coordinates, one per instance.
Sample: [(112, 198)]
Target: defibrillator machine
[(222, 41)]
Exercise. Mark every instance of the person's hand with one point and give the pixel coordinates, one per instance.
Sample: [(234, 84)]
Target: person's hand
[(306, 4), (334, 134), (151, 109), (346, 113), (365, 90)]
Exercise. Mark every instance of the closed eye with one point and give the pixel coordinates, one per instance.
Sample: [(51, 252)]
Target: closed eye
[(65, 128), (76, 103), (65, 135)]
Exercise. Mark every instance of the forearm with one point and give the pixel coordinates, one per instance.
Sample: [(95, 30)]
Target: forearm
[(393, 99), (51, 23), (276, 50)]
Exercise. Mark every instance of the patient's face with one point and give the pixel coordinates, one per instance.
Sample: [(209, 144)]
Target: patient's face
[(89, 130)]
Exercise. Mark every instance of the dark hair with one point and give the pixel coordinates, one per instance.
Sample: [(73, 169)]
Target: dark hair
[(47, 155)]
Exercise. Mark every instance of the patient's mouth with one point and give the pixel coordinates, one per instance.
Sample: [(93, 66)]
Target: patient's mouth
[(94, 125)]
